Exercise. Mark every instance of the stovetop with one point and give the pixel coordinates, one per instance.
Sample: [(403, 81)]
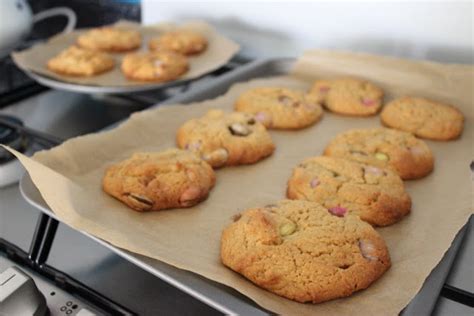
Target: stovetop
[(65, 114)]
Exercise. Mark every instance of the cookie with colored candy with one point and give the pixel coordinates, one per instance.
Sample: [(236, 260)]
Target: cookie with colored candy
[(155, 181), (301, 251), (75, 61), (226, 139), (184, 42), (409, 156), (376, 195), (110, 39), (157, 66), (424, 118), (279, 108), (348, 96)]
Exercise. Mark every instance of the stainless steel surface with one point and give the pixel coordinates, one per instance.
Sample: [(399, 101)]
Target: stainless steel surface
[(19, 294), (58, 301), (446, 307), (17, 217), (462, 271), (212, 293)]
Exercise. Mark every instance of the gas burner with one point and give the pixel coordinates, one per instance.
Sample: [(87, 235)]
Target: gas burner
[(11, 137)]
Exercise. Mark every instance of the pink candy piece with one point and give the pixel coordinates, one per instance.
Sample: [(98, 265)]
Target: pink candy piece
[(367, 249), (417, 150), (368, 102), (192, 146), (324, 89), (374, 170), (189, 196), (261, 117), (314, 183), (339, 211)]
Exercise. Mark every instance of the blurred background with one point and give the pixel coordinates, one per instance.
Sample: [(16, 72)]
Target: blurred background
[(436, 30)]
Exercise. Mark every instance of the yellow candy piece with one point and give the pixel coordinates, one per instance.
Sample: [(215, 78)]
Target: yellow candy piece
[(381, 156), (287, 229)]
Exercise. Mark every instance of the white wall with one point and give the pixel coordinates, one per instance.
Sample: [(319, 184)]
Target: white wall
[(440, 31)]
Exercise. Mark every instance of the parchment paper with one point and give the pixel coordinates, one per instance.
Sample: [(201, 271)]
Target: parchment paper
[(219, 51), (69, 178)]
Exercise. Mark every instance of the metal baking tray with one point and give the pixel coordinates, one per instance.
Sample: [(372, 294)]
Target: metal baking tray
[(219, 296), (85, 88)]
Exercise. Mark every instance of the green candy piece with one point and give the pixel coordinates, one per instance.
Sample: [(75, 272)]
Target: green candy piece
[(287, 229), (381, 156)]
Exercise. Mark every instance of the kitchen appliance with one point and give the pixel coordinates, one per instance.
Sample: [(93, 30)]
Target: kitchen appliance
[(447, 290), (16, 21)]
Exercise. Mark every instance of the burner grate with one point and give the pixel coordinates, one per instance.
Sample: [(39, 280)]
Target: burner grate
[(15, 85), (11, 137)]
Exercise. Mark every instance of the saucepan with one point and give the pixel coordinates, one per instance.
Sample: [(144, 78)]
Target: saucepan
[(16, 22)]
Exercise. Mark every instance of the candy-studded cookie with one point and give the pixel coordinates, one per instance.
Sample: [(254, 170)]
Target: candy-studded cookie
[(182, 41), (424, 118), (157, 66), (348, 96), (279, 108), (226, 139), (410, 157), (75, 61), (302, 251), (110, 39), (155, 181), (376, 195)]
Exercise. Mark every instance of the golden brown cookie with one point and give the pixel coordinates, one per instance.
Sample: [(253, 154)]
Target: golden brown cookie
[(348, 96), (182, 41), (424, 118), (110, 39), (226, 139), (279, 108), (299, 250), (75, 61), (410, 157), (157, 66), (376, 195), (155, 181)]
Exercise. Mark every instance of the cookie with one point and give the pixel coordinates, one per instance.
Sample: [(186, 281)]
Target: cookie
[(75, 61), (301, 251), (424, 118), (110, 39), (279, 108), (155, 181), (410, 157), (182, 42), (376, 195), (348, 96), (226, 139), (154, 66)]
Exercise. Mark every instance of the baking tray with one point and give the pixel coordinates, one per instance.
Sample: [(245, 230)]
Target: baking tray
[(219, 296), (84, 88)]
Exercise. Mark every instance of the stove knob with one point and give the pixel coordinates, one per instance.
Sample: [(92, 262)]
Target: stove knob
[(19, 294)]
